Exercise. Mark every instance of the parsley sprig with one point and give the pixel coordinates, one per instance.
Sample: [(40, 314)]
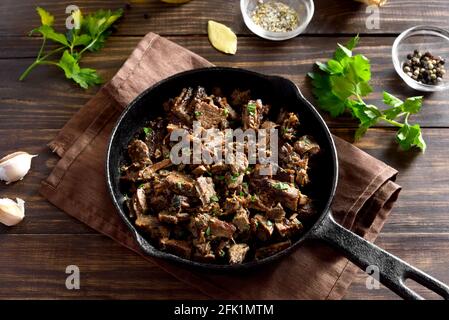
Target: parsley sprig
[(90, 36), (341, 86)]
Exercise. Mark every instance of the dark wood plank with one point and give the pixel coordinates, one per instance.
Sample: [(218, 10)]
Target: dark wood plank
[(51, 105), (428, 252), (342, 16), (33, 267)]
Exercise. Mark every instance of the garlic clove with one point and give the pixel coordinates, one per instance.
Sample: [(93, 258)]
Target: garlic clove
[(15, 166), (11, 212)]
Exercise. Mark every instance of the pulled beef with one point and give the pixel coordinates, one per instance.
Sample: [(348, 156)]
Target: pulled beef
[(272, 249), (180, 183), (289, 122), (220, 212), (240, 98), (139, 202), (252, 114), (181, 248), (221, 228), (180, 104), (262, 227), (237, 253), (288, 227), (241, 220), (173, 218), (277, 191), (151, 225), (306, 144), (210, 116), (139, 153), (206, 191)]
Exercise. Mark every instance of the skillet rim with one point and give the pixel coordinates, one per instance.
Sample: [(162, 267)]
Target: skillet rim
[(152, 251)]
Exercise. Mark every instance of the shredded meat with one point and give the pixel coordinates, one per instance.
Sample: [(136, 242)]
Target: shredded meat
[(219, 212), (237, 253)]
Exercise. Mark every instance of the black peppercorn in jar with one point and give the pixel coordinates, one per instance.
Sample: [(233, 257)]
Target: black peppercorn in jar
[(424, 67)]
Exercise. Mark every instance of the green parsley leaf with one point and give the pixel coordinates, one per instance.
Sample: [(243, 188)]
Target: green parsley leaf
[(234, 177), (90, 35), (97, 24), (391, 100), (46, 18), (251, 107), (85, 77), (147, 131), (411, 105), (49, 33), (198, 114), (343, 82), (345, 51), (411, 136), (281, 186), (214, 198), (208, 231)]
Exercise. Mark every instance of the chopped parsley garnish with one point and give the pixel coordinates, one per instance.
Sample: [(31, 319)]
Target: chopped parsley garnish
[(225, 112), (242, 194), (147, 131), (220, 177), (214, 198), (198, 113), (281, 186), (208, 231), (251, 107), (234, 177), (253, 198), (245, 185)]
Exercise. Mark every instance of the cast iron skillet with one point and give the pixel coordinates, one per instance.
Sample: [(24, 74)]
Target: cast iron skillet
[(278, 92)]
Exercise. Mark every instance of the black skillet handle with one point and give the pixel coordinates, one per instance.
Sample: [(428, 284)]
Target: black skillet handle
[(392, 270)]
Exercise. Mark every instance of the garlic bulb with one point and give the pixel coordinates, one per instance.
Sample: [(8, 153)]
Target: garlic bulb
[(15, 166), (11, 213)]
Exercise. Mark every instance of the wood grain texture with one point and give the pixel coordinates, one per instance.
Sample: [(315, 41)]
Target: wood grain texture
[(50, 106), (34, 254), (33, 267), (331, 16)]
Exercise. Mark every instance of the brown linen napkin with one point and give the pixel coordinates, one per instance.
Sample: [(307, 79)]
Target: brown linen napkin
[(365, 195)]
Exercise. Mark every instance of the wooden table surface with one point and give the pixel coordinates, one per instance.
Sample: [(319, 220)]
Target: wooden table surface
[(34, 254)]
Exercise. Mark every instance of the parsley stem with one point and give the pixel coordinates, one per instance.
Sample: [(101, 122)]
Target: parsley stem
[(34, 65), (51, 53), (41, 49), (395, 123), (39, 61)]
